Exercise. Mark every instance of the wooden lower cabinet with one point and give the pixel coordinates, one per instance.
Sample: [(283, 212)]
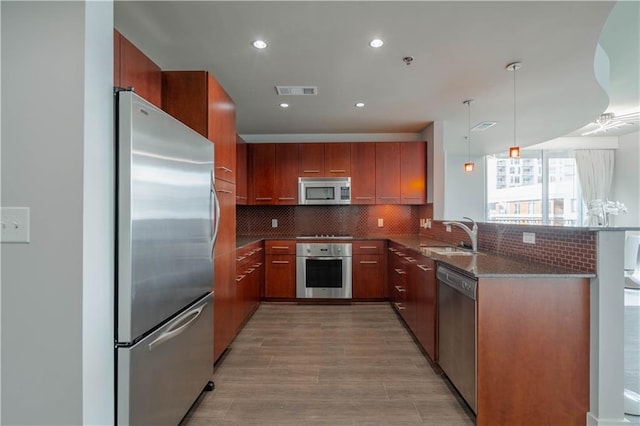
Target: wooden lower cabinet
[(368, 266), (280, 269), (249, 276), (423, 274), (224, 327), (533, 351)]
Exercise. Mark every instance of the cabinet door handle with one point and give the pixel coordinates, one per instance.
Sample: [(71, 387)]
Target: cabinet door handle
[(311, 171), (364, 198), (410, 259), (224, 169), (240, 259), (388, 198), (425, 268), (250, 270), (239, 278), (337, 171), (399, 306), (280, 261), (280, 247), (368, 262), (286, 198), (392, 249), (400, 289), (263, 198), (257, 265), (412, 198), (225, 191), (400, 271), (369, 247)]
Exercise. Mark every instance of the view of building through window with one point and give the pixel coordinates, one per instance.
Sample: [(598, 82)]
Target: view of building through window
[(539, 188)]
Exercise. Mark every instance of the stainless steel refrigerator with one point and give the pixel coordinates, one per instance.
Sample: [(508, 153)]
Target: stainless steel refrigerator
[(167, 216)]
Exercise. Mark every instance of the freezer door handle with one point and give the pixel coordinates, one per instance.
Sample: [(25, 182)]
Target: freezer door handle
[(180, 325), (216, 203)]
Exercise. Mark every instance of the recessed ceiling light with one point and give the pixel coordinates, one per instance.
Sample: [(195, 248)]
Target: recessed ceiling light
[(360, 104), (284, 105), (376, 42), (259, 44)]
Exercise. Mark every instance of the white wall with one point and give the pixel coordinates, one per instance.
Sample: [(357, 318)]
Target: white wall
[(626, 179), (56, 159), (464, 192), (434, 135)]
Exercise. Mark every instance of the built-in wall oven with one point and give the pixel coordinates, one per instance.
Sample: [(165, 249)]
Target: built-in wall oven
[(323, 270)]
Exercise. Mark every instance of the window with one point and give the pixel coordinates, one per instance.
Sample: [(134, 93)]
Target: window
[(541, 188)]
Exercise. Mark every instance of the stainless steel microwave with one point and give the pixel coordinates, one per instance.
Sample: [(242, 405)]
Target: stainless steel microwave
[(329, 191)]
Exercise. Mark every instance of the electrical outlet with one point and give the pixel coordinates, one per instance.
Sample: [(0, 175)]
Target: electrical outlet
[(380, 222), (422, 223), (448, 228), (14, 224), (428, 223), (528, 237), (274, 223)]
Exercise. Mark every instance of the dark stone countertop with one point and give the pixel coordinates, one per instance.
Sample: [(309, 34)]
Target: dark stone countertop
[(483, 264)]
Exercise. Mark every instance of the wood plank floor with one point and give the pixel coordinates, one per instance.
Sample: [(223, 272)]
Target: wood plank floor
[(326, 365)]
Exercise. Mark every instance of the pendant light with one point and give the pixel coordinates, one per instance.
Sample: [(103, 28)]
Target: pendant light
[(468, 166), (514, 150)]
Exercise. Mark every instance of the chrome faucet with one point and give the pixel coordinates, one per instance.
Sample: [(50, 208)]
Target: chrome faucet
[(473, 232)]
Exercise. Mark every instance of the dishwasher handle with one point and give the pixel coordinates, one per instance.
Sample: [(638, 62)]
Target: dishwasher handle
[(459, 282)]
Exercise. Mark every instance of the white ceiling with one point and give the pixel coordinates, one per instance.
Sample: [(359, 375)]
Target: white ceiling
[(461, 50)]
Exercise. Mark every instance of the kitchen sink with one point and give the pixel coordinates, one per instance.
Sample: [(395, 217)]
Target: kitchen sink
[(446, 251)]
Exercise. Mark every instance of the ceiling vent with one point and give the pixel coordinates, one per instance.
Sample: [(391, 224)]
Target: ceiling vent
[(297, 90), (482, 126)]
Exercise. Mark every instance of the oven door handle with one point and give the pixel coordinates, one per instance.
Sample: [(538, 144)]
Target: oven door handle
[(325, 258)]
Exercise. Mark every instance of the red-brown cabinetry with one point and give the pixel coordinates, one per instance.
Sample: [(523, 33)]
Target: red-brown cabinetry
[(280, 269), (368, 270), (198, 100), (363, 173), (132, 68)]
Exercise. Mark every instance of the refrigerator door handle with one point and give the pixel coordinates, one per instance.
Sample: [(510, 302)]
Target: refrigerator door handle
[(216, 202), (178, 327)]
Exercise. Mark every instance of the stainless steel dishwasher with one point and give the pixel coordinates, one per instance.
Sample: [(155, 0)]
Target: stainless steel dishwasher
[(457, 338)]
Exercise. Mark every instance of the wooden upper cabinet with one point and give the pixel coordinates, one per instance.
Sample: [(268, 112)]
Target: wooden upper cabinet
[(324, 159), (242, 170), (198, 100), (132, 68), (311, 160), (363, 173), (226, 241), (413, 162), (387, 173), (262, 160), (286, 186), (337, 159), (222, 129)]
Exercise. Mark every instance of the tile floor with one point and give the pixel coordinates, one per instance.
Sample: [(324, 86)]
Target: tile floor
[(326, 365)]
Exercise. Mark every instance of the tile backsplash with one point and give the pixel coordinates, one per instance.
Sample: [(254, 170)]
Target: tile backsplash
[(338, 220), (572, 248)]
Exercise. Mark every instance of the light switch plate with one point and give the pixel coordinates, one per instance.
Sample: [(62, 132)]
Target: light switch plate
[(380, 222), (274, 223), (14, 225)]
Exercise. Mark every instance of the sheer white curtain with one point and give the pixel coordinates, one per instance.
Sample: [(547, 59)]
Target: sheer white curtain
[(595, 170)]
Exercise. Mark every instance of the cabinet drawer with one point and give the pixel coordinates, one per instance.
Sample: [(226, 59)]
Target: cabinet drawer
[(280, 247), (368, 247)]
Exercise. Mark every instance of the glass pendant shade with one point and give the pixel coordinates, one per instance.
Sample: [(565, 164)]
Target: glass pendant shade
[(514, 152), (468, 167)]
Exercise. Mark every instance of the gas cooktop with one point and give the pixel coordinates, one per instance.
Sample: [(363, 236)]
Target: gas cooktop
[(325, 237)]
